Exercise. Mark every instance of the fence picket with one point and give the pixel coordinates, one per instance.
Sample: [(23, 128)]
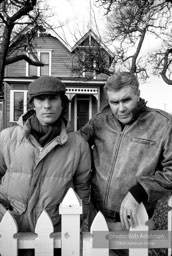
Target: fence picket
[(95, 243), (8, 227), (142, 218), (70, 209), (170, 227), (43, 243), (99, 224)]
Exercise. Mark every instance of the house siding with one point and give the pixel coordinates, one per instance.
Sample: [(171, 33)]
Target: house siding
[(60, 63)]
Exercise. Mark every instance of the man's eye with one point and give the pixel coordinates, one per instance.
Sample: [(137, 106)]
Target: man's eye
[(53, 98), (126, 100), (40, 98), (114, 102)]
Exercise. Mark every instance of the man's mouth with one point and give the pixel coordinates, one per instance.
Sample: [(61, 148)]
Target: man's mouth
[(47, 114), (123, 116)]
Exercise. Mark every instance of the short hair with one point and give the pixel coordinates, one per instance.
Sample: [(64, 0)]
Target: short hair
[(119, 80)]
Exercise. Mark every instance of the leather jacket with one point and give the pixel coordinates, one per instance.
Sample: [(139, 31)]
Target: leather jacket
[(138, 153)]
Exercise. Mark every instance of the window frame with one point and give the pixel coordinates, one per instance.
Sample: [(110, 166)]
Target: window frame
[(12, 93), (39, 51)]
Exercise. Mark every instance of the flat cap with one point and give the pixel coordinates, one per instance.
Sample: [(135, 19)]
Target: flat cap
[(45, 85)]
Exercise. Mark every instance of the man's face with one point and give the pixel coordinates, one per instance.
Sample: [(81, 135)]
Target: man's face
[(48, 108), (122, 102)]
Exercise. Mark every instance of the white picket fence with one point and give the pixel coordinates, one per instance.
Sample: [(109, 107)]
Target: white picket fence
[(70, 240)]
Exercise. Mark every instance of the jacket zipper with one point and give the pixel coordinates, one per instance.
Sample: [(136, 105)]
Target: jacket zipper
[(113, 165)]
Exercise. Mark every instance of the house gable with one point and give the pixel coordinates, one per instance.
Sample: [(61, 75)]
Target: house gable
[(60, 58), (92, 57)]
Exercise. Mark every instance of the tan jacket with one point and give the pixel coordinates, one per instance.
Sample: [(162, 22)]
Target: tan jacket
[(36, 178)]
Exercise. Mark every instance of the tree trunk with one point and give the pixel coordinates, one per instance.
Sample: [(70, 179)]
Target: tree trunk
[(3, 55)]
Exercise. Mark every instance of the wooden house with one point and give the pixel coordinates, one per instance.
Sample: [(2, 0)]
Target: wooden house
[(85, 93)]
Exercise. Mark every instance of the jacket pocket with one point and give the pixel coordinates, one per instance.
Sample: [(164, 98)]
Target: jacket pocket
[(143, 141)]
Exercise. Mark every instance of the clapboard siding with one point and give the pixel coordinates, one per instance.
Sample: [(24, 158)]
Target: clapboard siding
[(17, 69), (61, 58)]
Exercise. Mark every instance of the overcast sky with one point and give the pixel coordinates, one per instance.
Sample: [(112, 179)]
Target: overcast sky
[(76, 14)]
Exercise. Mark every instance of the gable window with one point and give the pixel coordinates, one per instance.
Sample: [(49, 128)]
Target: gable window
[(18, 104), (44, 57)]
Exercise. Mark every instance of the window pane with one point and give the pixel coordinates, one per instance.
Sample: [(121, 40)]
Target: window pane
[(32, 69), (18, 104), (44, 58), (44, 71)]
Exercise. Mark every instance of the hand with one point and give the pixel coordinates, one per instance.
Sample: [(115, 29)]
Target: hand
[(128, 208)]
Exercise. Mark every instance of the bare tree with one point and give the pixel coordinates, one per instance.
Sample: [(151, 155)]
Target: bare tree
[(91, 59), (129, 24), (91, 56), (107, 4), (19, 23)]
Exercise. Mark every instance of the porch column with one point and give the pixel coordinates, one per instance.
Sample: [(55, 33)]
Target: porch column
[(70, 97), (97, 96)]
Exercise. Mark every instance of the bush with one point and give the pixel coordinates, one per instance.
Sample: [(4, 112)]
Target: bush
[(160, 223)]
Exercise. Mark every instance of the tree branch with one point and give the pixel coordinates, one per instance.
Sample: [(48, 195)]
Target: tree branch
[(134, 59), (165, 67), (14, 59), (27, 7)]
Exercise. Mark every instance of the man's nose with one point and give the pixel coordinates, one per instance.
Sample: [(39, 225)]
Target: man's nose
[(47, 103), (122, 107)]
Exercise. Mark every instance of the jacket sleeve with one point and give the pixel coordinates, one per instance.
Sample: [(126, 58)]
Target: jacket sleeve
[(160, 184), (2, 161), (87, 132), (82, 176)]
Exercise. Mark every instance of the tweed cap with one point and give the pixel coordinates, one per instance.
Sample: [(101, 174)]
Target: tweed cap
[(45, 85)]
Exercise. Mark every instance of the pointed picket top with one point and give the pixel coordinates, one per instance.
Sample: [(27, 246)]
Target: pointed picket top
[(99, 223), (8, 228), (44, 224), (8, 224), (98, 227), (142, 218), (71, 199)]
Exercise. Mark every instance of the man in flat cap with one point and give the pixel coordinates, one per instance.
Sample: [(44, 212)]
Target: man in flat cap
[(41, 158)]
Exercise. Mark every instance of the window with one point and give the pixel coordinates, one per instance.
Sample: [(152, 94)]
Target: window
[(44, 57), (18, 104)]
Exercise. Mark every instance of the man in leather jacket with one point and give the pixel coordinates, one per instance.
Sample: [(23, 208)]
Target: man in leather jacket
[(132, 154)]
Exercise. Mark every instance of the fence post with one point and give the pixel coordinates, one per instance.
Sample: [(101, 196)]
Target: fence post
[(70, 209), (170, 227), (8, 227), (142, 219), (43, 243), (99, 225)]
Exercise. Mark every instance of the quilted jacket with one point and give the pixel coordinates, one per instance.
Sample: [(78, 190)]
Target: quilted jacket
[(35, 178)]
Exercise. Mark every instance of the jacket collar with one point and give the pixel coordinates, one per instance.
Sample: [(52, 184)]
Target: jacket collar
[(25, 125)]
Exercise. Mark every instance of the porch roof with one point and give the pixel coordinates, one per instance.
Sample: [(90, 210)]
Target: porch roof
[(66, 80)]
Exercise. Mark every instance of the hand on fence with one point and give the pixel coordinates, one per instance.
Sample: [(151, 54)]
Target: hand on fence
[(128, 211)]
